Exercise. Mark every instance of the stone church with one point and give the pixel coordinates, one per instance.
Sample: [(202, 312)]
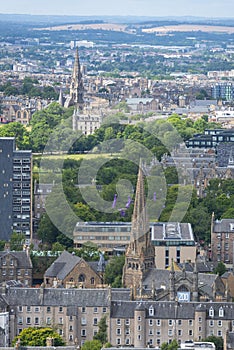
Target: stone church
[(83, 119), (146, 281)]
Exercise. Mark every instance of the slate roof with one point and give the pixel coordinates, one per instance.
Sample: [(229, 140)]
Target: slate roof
[(62, 266), (57, 297), (170, 310), (23, 259), (160, 279), (223, 225), (64, 297)]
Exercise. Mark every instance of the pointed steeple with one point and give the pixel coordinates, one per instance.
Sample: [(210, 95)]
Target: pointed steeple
[(140, 252), (140, 224), (76, 87)]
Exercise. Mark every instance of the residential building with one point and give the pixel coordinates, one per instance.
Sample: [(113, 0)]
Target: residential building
[(15, 190), (16, 266), (76, 313), (222, 240)]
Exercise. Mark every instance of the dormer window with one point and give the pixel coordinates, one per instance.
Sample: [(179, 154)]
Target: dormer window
[(231, 226), (151, 311), (221, 312), (211, 312)]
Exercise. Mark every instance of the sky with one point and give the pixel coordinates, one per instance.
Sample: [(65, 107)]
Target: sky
[(200, 8)]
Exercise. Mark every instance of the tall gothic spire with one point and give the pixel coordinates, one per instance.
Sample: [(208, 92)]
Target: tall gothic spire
[(76, 87), (140, 224), (140, 252)]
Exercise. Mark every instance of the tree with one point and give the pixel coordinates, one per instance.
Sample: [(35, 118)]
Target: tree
[(37, 337), (92, 345), (17, 241), (102, 331), (172, 346), (220, 268), (114, 270), (218, 341)]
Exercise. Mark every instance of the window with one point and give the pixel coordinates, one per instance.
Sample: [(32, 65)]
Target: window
[(95, 321), (118, 321), (92, 280), (190, 332), (70, 337), (127, 331), (70, 328), (20, 308), (158, 322), (179, 322), (170, 332), (151, 332), (70, 318), (139, 337), (151, 311), (48, 309), (199, 319), (139, 318), (36, 320), (199, 329), (190, 322), (139, 328), (20, 320), (127, 321), (211, 323), (118, 331), (83, 332), (37, 309), (158, 333), (83, 309), (48, 320), (60, 309), (60, 320), (221, 313), (104, 309), (219, 333), (179, 332), (83, 321), (211, 312), (127, 341), (28, 308), (95, 310), (118, 341), (28, 320), (220, 323), (150, 322), (169, 322)]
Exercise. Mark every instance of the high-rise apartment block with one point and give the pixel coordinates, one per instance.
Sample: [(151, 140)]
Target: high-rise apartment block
[(15, 190)]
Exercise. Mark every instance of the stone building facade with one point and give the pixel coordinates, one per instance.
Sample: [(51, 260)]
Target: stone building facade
[(16, 266), (70, 271), (222, 239), (76, 313)]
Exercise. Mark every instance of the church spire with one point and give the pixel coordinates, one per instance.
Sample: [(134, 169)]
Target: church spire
[(140, 252), (140, 224), (76, 87)]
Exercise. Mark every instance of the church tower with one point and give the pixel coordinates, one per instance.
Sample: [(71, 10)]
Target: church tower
[(77, 87), (140, 252)]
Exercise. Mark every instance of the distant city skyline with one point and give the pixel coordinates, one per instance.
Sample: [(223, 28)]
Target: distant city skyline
[(198, 8)]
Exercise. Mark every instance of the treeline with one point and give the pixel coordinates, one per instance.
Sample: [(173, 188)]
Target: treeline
[(29, 87)]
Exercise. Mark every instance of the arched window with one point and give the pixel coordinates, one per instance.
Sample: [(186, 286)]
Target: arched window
[(183, 288), (81, 278)]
